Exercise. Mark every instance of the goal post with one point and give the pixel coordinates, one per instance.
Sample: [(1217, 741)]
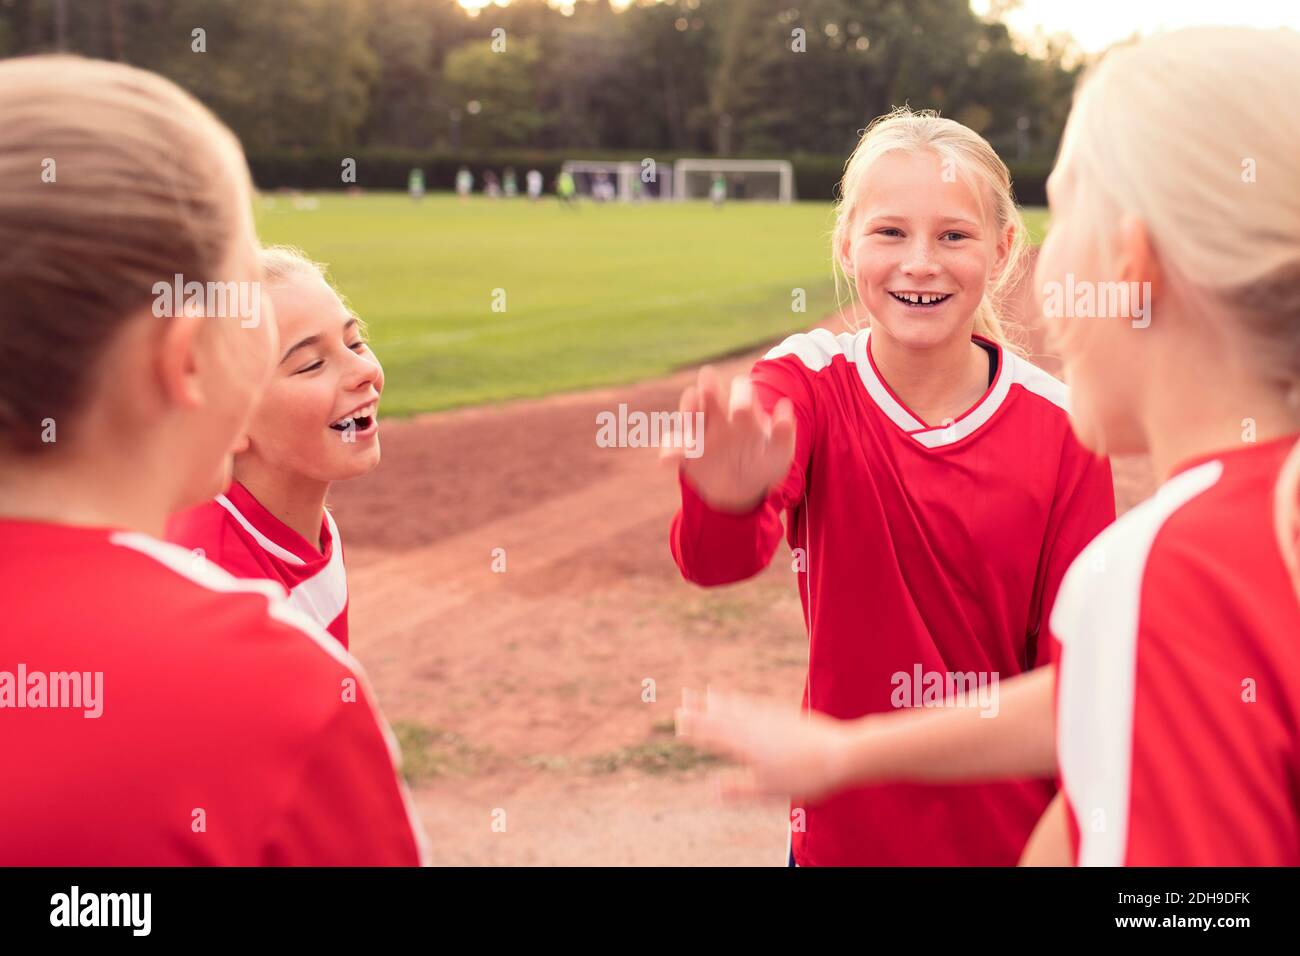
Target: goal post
[(763, 179)]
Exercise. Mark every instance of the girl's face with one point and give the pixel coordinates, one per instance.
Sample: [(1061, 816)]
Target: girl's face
[(920, 251), (319, 416), (1105, 359)]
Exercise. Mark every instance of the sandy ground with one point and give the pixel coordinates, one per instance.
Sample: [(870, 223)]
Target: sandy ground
[(535, 704)]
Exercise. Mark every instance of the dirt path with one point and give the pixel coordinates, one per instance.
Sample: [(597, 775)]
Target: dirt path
[(520, 696)]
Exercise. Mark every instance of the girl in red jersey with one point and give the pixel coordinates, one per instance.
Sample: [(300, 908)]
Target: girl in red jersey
[(1175, 699), (198, 719), (317, 423), (933, 490)]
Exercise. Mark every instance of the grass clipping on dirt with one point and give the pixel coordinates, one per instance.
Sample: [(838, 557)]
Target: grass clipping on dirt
[(431, 753)]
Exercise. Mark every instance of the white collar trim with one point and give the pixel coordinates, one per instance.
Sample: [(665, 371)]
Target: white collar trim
[(939, 435)]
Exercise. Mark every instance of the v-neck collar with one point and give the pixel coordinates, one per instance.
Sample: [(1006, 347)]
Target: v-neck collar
[(933, 436), (274, 535)]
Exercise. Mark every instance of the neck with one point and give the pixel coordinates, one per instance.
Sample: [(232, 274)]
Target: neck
[(936, 383), (1204, 394), (296, 500), (1222, 413), (65, 486)]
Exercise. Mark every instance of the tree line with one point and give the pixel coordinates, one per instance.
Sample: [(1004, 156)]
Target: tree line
[(707, 77)]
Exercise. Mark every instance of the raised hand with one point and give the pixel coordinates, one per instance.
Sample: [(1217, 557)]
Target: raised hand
[(743, 451)]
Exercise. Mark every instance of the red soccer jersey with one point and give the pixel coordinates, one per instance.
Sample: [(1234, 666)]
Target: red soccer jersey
[(1178, 700), (930, 552), (235, 532), (209, 721)]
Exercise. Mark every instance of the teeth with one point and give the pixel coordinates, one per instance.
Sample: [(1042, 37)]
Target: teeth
[(917, 298), (364, 412)]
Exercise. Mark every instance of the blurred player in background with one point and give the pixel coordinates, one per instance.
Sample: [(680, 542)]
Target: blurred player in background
[(718, 191), (566, 189), (464, 182)]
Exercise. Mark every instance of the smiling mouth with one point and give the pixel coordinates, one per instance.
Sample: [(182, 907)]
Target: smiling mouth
[(359, 421), (922, 300)]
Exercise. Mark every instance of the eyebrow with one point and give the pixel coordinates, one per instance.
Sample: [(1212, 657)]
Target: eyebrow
[(946, 219), (313, 340)]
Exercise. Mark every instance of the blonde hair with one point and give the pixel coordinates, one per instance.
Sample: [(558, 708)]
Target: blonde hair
[(282, 263), (1192, 133), (970, 154), (111, 180)]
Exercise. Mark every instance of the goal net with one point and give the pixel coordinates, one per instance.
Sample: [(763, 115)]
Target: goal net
[(765, 179)]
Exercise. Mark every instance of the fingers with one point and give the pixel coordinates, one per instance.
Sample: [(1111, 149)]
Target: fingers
[(740, 407), (672, 451), (690, 400), (732, 726), (671, 455), (684, 715), (717, 722), (709, 396), (742, 396)]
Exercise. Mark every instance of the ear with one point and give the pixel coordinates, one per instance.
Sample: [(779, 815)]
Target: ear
[(845, 253), (1138, 261), (177, 358), (1005, 241)]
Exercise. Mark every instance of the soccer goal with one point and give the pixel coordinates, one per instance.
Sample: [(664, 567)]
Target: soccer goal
[(766, 179), (624, 181)]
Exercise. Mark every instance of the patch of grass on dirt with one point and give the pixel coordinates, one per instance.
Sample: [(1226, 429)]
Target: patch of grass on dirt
[(720, 613), (547, 762), (655, 757), (429, 752)]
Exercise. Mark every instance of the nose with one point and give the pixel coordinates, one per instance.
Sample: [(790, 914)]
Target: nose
[(364, 370), (920, 259)]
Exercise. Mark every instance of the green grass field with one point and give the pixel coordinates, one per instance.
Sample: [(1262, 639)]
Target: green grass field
[(599, 296)]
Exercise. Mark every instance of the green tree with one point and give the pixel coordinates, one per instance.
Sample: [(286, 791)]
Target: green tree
[(495, 92)]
